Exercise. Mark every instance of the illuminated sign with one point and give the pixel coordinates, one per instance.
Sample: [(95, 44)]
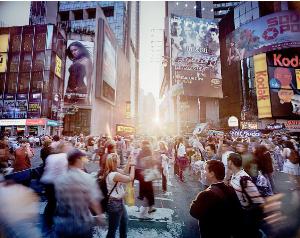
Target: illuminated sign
[(281, 24), (3, 62), (262, 86), (4, 43), (58, 66), (275, 31), (125, 130), (285, 61)]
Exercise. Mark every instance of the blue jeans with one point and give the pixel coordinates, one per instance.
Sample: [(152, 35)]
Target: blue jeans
[(117, 217)]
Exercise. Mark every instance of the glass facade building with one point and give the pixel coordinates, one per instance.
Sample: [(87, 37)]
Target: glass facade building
[(33, 72), (81, 17)]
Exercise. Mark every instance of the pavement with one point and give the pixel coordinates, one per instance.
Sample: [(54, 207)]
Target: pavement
[(172, 218)]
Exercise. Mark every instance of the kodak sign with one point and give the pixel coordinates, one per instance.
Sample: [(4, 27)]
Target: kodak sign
[(279, 60), (262, 86)]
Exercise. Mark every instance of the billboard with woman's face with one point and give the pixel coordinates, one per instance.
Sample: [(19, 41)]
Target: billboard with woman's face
[(79, 68)]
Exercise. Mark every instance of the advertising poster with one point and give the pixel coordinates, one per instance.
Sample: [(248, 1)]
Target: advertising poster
[(109, 66), (3, 62), (4, 42), (58, 66), (284, 82), (79, 68), (195, 55), (34, 105), (9, 109), (262, 86), (268, 33)]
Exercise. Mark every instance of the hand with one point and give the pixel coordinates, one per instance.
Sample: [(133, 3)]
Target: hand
[(100, 220)]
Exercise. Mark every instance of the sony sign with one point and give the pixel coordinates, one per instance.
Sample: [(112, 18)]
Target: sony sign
[(279, 60), (281, 24)]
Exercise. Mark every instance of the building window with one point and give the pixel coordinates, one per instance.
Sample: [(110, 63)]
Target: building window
[(23, 84), (36, 82), (11, 83), (16, 43), (38, 63), (91, 13), (108, 11), (26, 63), (64, 16), (2, 80), (14, 63), (40, 42), (27, 42), (78, 15)]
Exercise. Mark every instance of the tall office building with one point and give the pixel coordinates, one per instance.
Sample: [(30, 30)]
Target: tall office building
[(80, 20), (31, 72)]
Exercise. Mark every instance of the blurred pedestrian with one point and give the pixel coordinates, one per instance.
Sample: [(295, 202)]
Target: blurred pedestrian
[(56, 165), (77, 193)]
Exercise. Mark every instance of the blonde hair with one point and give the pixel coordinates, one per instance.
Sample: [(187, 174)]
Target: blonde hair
[(111, 163), (164, 145)]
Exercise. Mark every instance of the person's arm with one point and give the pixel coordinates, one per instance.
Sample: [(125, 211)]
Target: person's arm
[(30, 153), (200, 206), (125, 178)]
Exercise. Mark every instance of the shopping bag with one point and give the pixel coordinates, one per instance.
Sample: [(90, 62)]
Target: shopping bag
[(129, 195), (151, 174)]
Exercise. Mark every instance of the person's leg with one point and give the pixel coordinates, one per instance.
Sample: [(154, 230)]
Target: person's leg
[(149, 193), (51, 205), (114, 211), (124, 223), (164, 181)]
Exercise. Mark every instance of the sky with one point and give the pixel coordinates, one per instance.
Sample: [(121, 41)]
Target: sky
[(151, 48)]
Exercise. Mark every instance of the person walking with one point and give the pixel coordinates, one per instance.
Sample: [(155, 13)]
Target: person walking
[(56, 165), (217, 208), (115, 178), (248, 195), (144, 161), (164, 164), (23, 154), (77, 194), (182, 159)]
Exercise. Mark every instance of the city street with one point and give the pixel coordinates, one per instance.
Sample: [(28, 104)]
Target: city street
[(172, 218)]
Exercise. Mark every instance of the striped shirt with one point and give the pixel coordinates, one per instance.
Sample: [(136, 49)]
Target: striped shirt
[(250, 189)]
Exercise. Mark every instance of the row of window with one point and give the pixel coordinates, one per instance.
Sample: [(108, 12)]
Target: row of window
[(36, 82), (227, 4)]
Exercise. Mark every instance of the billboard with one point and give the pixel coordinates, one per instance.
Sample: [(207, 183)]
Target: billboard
[(3, 62), (283, 70), (107, 62), (262, 86), (275, 31), (4, 42), (195, 55), (79, 68)]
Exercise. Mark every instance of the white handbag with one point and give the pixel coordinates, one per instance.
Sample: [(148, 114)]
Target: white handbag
[(151, 174)]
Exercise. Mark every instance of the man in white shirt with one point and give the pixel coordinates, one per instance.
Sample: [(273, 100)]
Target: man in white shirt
[(248, 194)]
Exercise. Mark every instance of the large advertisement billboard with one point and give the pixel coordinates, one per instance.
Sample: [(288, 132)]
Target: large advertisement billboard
[(107, 64), (275, 31), (284, 81), (195, 55), (262, 86), (79, 68)]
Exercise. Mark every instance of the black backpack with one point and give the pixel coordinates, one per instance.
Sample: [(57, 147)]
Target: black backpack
[(103, 187)]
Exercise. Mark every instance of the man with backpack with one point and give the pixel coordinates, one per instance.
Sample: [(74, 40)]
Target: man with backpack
[(217, 208), (249, 196)]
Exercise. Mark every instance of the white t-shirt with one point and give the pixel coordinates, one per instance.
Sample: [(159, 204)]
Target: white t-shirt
[(118, 191), (56, 165)]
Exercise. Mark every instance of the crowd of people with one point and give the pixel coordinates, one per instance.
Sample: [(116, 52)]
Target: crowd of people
[(236, 182)]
